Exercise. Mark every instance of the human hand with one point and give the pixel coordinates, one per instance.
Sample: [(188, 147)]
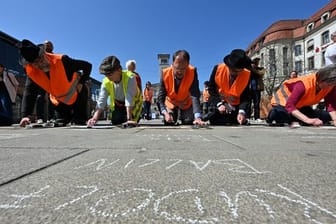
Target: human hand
[(168, 117), (91, 122), (222, 109), (241, 118), (129, 124), (198, 121), (334, 122), (314, 121), (24, 121)]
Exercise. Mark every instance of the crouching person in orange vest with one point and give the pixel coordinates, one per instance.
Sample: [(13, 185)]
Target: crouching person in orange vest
[(120, 86), (229, 90), (59, 75), (292, 103), (179, 92)]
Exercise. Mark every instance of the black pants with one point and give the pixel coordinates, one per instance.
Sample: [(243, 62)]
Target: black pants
[(147, 110), (186, 116), (256, 95), (6, 112), (77, 112), (119, 115), (40, 103), (280, 115), (223, 119)]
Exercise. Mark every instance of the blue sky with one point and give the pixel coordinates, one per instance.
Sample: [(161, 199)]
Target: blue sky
[(141, 29)]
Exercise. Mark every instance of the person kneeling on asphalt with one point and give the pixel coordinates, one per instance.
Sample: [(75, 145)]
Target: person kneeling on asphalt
[(62, 77), (292, 103), (229, 90), (122, 89), (179, 92)]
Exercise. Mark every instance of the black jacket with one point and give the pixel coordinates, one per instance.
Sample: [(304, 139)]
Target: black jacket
[(32, 89), (215, 98)]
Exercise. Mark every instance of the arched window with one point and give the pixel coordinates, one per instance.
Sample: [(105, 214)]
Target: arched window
[(310, 26), (325, 17)]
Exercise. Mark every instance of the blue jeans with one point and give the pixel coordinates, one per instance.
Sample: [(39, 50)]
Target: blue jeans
[(6, 112)]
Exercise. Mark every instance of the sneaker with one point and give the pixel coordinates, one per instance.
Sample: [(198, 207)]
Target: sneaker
[(295, 125), (275, 124), (39, 121), (60, 123)]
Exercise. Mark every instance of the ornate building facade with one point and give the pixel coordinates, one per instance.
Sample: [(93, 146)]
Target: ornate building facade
[(294, 45)]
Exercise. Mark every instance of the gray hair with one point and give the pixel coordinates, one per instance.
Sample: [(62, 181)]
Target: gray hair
[(327, 74), (129, 62)]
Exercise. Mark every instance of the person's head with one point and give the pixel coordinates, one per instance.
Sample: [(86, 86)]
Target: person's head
[(206, 83), (148, 84), (255, 62), (181, 60), (48, 46), (333, 36), (326, 76), (293, 74), (33, 54), (111, 68), (131, 65), (237, 60)]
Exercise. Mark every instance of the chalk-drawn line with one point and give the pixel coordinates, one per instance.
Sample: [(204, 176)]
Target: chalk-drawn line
[(196, 164), (177, 161), (301, 201), (101, 164), (22, 197), (152, 161), (239, 168), (93, 188), (94, 210), (173, 217), (233, 206), (42, 168), (201, 166), (131, 161), (309, 202)]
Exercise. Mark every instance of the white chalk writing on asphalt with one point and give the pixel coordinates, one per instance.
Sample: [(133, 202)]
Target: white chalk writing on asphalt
[(147, 199), (233, 165)]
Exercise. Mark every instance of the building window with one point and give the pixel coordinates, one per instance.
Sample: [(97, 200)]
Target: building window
[(310, 45), (323, 59), (325, 17), (311, 64), (298, 66), (325, 37), (285, 65), (262, 59), (164, 61), (272, 63), (310, 27), (298, 50), (285, 54)]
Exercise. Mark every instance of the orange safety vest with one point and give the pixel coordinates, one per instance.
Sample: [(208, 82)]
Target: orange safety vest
[(231, 94), (148, 94), (309, 97), (57, 84), (182, 98)]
